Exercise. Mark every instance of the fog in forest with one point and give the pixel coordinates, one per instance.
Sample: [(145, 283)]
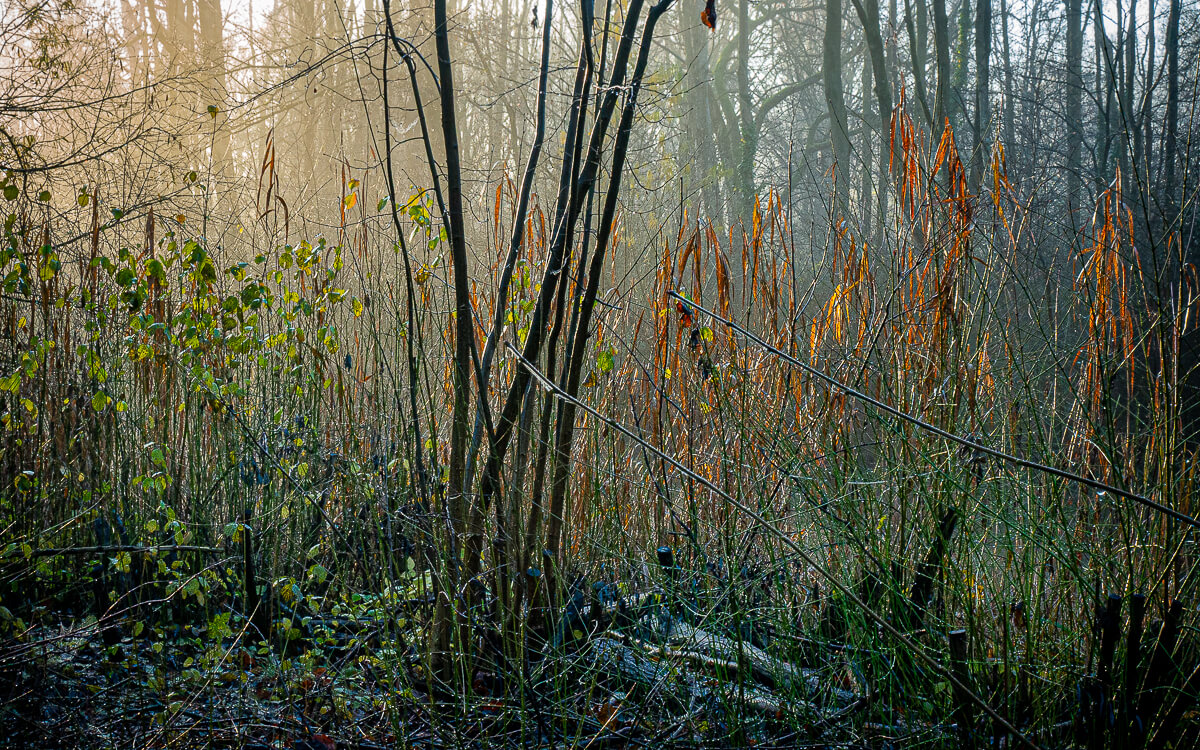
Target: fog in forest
[(703, 373)]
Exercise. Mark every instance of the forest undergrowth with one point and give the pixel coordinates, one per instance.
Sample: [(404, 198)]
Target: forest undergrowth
[(926, 490)]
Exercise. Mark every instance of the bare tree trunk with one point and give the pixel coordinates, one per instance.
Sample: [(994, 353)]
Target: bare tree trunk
[(1010, 106), (866, 140), (868, 14), (1105, 81), (304, 29), (893, 54), (835, 100), (133, 29), (1147, 114), (962, 44), (505, 558), (1131, 149), (918, 42), (568, 180), (213, 49), (749, 145), (462, 539), (586, 297), (941, 51), (1171, 141), (1074, 106), (1120, 111), (517, 240), (983, 104), (534, 341), (180, 34), (922, 42), (697, 120)]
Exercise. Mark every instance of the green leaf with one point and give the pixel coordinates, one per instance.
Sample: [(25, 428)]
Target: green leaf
[(208, 271), (82, 200), (11, 383), (155, 269), (44, 196), (605, 360), (11, 192), (100, 400), (251, 294)]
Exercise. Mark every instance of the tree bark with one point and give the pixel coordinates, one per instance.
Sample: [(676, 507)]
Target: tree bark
[(918, 40), (835, 100), (962, 44), (1074, 105), (1105, 86), (457, 503), (941, 51), (983, 104), (749, 145), (1131, 148), (870, 122), (1010, 106), (699, 123), (868, 14), (1147, 114), (1171, 141)]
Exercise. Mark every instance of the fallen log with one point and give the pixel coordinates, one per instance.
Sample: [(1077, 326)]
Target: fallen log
[(764, 668), (634, 664)]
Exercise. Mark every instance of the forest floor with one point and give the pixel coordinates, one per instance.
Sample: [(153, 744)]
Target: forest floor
[(119, 683)]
